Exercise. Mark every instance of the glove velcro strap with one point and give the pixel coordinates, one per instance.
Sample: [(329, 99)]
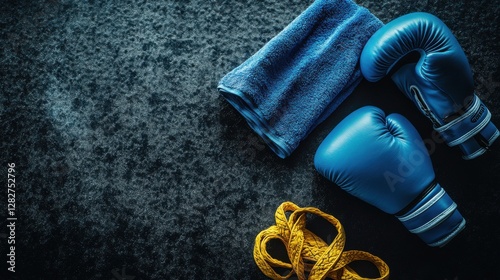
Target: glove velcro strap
[(468, 124), (480, 143), (435, 218)]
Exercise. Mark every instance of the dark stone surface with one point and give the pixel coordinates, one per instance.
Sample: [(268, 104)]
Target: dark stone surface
[(128, 162)]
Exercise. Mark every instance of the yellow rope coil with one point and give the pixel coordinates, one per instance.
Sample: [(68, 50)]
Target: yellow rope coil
[(308, 252)]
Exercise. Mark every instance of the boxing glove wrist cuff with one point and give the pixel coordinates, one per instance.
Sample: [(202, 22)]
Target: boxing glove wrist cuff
[(434, 218), (480, 143), (462, 130)]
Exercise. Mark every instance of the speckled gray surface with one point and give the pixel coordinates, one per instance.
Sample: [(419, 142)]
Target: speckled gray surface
[(128, 161)]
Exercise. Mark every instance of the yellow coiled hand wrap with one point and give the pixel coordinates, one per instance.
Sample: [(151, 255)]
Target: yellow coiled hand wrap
[(308, 252)]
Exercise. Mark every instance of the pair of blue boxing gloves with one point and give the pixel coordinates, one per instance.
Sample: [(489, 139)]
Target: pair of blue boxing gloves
[(382, 159)]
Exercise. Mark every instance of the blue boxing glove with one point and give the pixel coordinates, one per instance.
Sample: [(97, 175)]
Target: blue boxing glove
[(383, 161), (425, 61)]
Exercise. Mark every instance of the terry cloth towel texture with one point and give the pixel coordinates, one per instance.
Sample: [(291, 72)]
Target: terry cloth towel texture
[(303, 74)]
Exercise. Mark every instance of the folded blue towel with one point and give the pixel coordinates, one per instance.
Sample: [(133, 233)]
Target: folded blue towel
[(303, 74)]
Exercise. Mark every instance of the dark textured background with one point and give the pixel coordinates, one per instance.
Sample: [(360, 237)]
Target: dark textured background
[(128, 161)]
